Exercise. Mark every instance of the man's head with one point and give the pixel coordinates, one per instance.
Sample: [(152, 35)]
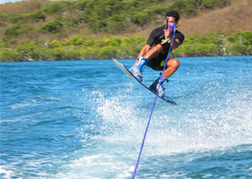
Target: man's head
[(174, 14)]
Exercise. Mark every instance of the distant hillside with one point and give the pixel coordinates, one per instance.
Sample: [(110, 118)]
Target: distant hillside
[(236, 16), (38, 30), (47, 20), (231, 18)]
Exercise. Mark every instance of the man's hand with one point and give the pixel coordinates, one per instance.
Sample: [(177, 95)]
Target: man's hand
[(167, 33), (166, 40)]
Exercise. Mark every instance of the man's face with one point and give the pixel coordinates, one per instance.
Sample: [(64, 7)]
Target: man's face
[(171, 20)]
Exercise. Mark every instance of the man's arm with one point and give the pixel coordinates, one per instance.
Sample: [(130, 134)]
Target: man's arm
[(176, 42), (151, 40), (144, 50)]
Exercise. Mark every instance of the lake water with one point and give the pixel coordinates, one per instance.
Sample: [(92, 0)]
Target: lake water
[(86, 119)]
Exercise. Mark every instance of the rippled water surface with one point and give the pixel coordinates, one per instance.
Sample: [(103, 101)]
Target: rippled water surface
[(86, 119)]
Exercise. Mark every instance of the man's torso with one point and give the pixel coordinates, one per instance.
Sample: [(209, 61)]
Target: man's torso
[(156, 37)]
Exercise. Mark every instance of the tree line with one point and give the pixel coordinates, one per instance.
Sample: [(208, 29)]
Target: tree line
[(61, 23), (78, 47)]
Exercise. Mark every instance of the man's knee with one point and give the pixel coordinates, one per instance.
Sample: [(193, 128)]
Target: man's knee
[(173, 63)]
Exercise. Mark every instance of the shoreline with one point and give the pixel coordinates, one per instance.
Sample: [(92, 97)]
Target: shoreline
[(121, 58)]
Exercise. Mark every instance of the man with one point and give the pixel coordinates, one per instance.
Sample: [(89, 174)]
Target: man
[(155, 51)]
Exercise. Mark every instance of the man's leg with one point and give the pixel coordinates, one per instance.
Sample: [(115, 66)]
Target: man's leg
[(172, 66), (153, 52), (136, 69)]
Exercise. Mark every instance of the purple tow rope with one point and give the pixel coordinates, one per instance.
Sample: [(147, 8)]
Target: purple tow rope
[(161, 78)]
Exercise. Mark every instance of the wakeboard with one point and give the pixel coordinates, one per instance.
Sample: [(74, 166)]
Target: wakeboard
[(129, 74)]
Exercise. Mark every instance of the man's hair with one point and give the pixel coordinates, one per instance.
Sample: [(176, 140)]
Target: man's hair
[(174, 14)]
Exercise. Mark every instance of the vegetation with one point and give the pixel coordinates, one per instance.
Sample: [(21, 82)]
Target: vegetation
[(217, 43), (78, 47), (71, 17), (47, 30)]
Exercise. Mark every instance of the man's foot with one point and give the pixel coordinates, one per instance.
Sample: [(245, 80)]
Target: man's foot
[(161, 89), (137, 68)]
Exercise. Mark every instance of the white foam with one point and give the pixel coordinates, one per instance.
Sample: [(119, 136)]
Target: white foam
[(95, 167), (6, 173), (192, 129), (199, 125)]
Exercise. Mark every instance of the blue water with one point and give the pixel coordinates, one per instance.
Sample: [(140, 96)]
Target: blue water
[(86, 119)]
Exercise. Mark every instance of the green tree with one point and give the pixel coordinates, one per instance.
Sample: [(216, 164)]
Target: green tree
[(16, 30), (54, 44), (78, 40), (210, 4), (52, 26), (15, 17), (56, 7), (35, 16), (107, 52), (184, 7), (56, 53)]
